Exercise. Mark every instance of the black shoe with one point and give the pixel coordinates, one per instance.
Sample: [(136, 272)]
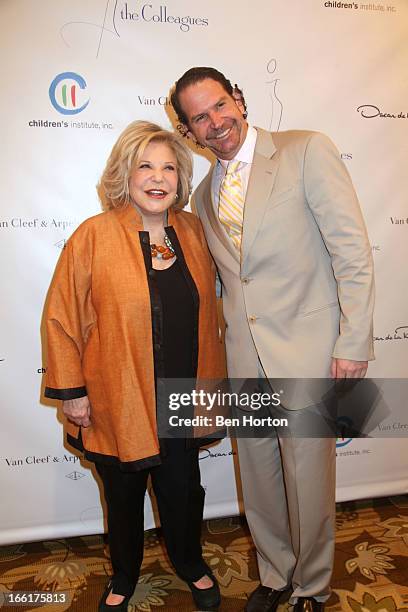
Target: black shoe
[(206, 599), (308, 604), (104, 607), (263, 599)]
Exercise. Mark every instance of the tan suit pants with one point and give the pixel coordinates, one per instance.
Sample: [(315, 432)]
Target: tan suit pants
[(289, 496)]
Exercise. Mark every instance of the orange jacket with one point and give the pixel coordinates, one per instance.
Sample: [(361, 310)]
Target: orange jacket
[(99, 331)]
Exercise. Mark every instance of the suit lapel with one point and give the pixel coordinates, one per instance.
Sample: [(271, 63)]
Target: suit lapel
[(263, 173), (216, 226)]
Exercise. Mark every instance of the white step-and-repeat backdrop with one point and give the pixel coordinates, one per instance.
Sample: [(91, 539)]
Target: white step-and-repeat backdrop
[(75, 73)]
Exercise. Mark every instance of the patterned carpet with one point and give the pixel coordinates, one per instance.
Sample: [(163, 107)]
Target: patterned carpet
[(371, 567)]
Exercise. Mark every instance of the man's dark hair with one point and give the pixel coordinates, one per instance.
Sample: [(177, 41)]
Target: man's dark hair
[(196, 75)]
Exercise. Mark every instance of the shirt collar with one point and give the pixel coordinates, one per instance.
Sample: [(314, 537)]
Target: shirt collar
[(246, 152)]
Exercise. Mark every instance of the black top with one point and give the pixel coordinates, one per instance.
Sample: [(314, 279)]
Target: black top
[(177, 308)]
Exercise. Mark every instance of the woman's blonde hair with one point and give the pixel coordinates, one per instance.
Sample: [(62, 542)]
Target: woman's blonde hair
[(113, 187)]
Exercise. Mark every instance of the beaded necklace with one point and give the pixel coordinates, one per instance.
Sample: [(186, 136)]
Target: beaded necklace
[(165, 251)]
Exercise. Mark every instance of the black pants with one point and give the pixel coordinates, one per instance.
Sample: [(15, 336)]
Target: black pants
[(180, 500)]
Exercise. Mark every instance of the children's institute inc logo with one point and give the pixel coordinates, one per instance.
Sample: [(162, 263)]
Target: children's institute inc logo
[(67, 92)]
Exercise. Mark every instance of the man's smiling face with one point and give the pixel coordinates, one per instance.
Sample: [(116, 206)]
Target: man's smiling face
[(214, 117)]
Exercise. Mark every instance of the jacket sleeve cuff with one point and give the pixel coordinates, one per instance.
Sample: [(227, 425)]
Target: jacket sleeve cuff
[(65, 394)]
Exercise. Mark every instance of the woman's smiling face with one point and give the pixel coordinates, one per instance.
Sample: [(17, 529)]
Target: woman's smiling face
[(153, 182)]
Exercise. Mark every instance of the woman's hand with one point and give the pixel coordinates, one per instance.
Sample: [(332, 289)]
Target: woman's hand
[(78, 411)]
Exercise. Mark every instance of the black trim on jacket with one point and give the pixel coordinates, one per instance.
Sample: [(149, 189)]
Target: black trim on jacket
[(65, 394), (125, 466)]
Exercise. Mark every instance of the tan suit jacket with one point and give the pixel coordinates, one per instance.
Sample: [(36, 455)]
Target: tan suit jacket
[(302, 289)]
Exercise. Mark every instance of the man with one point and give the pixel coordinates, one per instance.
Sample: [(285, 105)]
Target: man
[(285, 229)]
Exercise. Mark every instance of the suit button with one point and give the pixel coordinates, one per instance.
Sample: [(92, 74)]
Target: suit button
[(252, 318), (157, 346), (152, 273)]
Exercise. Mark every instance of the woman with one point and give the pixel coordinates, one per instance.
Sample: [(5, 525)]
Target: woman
[(133, 300)]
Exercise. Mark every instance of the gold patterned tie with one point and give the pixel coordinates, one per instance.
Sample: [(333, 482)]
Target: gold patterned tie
[(231, 203)]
